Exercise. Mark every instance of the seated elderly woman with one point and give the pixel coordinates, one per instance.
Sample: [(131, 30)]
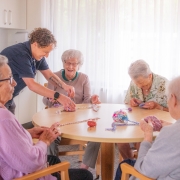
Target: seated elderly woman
[(146, 90), (160, 160), (72, 61), (18, 154)]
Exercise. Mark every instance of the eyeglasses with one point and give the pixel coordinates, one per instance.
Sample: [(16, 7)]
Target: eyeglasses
[(11, 79), (69, 64)]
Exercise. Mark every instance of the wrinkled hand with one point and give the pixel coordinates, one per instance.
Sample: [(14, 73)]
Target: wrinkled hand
[(135, 102), (68, 104), (148, 129), (50, 134), (95, 99), (36, 132), (70, 90), (151, 105)]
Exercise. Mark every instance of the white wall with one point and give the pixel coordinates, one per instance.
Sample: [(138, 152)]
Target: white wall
[(3, 38), (26, 101)]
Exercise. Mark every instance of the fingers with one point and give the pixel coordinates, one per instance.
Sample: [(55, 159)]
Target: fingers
[(95, 99), (68, 104), (71, 92), (55, 125), (49, 135), (133, 102)]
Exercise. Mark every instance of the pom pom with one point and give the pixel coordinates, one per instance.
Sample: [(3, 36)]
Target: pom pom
[(129, 109), (91, 123)]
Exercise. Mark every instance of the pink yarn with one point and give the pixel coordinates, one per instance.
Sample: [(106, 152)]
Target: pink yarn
[(157, 125)]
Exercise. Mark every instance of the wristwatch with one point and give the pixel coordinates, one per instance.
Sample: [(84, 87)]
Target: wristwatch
[(56, 95)]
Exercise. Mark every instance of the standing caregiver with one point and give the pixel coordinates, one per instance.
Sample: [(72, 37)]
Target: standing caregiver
[(28, 57)]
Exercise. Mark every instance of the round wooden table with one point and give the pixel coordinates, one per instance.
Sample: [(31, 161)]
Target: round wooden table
[(81, 131)]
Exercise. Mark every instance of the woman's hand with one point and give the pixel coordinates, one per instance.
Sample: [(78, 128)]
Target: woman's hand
[(68, 104), (148, 130), (95, 99), (135, 102), (50, 134), (152, 105), (70, 90), (36, 132)]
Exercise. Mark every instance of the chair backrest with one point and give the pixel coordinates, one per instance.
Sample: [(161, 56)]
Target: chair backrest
[(60, 167), (129, 170)]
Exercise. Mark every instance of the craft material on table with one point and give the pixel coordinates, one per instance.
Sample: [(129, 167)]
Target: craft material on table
[(80, 121), (120, 118), (157, 125)]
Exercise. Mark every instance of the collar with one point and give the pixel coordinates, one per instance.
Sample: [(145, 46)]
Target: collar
[(64, 77)]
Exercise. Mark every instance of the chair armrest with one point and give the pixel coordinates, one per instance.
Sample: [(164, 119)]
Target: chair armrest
[(127, 170), (62, 167)]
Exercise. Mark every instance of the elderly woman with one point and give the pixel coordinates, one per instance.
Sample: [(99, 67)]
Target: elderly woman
[(159, 160), (146, 90), (72, 61), (18, 154)]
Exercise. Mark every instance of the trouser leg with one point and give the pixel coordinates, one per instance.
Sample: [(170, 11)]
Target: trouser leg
[(91, 153), (119, 172), (53, 148)]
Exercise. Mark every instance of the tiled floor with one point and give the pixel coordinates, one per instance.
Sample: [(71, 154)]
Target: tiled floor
[(74, 160)]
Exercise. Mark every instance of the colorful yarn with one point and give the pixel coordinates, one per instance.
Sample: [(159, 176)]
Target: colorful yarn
[(121, 119), (120, 116)]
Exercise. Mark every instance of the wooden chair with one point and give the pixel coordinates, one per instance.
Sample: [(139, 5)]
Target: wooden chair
[(61, 167), (129, 170)]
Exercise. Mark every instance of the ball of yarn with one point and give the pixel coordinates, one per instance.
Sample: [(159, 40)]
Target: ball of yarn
[(157, 125), (120, 116)]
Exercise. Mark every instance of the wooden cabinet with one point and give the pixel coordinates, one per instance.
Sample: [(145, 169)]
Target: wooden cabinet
[(13, 14)]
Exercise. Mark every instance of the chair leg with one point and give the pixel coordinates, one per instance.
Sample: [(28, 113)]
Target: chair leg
[(80, 156)]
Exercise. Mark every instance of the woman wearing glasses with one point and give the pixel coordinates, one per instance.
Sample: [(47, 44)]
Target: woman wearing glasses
[(18, 154), (72, 61)]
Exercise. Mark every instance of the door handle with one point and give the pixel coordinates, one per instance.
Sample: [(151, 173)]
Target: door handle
[(5, 16)]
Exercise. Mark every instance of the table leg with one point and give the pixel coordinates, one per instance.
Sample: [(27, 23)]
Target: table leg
[(107, 161)]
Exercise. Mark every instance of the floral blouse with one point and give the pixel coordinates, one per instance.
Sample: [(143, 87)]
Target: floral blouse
[(156, 94)]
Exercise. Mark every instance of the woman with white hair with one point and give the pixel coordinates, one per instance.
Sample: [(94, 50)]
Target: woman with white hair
[(160, 160), (18, 154), (146, 90), (72, 61)]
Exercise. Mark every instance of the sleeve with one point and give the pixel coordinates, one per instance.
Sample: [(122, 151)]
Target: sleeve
[(45, 100), (87, 91), (17, 149), (42, 65), (151, 158), (128, 95)]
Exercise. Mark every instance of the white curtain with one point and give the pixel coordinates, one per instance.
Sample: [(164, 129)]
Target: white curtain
[(113, 33)]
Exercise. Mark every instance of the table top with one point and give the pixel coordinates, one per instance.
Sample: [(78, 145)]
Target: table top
[(81, 131)]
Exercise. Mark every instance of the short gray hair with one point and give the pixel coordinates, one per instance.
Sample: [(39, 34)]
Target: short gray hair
[(139, 68), (173, 88), (72, 53), (3, 61)]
